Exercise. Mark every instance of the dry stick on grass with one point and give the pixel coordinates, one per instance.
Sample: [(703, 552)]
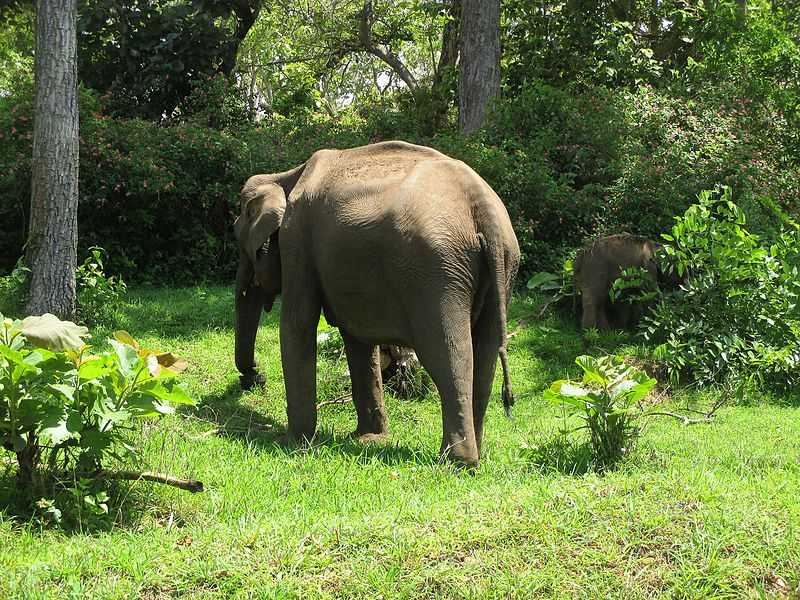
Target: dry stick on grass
[(340, 400), (190, 485), (706, 418)]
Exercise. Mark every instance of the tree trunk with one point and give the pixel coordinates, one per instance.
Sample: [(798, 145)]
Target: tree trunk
[(440, 92), (479, 66), (51, 252)]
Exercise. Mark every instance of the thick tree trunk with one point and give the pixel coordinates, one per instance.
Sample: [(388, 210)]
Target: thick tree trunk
[(479, 66), (53, 233)]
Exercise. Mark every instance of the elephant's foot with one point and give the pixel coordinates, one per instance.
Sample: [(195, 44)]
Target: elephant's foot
[(372, 421), (291, 441), (251, 379), (462, 454), (370, 438)]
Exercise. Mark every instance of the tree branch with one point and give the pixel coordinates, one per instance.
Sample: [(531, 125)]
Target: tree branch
[(190, 485), (365, 39), (706, 418), (683, 418)]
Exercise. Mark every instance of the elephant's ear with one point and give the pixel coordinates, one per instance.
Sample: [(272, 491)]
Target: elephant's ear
[(261, 217)]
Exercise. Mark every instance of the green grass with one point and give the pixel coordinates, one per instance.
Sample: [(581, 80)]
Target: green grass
[(709, 510)]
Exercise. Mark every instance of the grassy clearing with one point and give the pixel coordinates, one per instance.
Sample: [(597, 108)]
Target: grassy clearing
[(699, 511)]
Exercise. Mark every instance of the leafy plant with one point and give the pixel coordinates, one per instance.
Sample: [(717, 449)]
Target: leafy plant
[(14, 289), (606, 399), (71, 408), (738, 313), (634, 285), (557, 286), (98, 294)]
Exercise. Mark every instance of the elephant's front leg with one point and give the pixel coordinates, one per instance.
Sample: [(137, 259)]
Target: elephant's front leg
[(364, 363), (299, 358), (594, 311)]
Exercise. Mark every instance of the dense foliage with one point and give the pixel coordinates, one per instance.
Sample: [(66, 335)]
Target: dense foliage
[(567, 164), (738, 314)]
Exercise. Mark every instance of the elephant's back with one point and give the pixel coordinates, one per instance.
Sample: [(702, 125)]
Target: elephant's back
[(336, 174)]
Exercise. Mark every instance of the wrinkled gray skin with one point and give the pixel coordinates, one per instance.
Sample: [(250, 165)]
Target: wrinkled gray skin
[(397, 244), (596, 268)]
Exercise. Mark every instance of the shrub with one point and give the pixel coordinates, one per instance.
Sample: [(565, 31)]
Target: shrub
[(737, 315), (98, 294), (606, 400), (71, 409), (14, 289), (673, 148)]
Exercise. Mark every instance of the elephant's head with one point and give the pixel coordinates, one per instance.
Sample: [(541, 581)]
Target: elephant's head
[(258, 280), (263, 203)]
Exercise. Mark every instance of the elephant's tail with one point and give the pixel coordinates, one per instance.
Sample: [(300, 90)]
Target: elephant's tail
[(501, 274)]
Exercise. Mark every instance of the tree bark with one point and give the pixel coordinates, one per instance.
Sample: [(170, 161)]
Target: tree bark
[(440, 93), (479, 66), (52, 246)]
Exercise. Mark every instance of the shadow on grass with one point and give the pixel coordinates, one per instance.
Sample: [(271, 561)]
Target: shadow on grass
[(236, 421), (560, 455), (182, 312), (52, 502)]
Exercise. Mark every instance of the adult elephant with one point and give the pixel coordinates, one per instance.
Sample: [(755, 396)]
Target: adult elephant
[(398, 244)]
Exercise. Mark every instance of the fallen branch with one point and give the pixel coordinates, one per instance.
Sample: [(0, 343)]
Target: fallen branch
[(190, 485), (706, 418), (340, 400), (205, 434), (686, 420)]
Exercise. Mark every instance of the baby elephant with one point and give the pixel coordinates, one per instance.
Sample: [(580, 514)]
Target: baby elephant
[(596, 268)]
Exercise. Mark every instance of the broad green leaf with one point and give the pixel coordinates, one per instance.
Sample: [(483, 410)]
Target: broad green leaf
[(149, 406), (66, 391), (539, 280), (128, 358), (59, 426), (126, 338), (170, 392), (48, 331), (93, 368), (36, 357), (14, 357), (573, 391), (641, 390)]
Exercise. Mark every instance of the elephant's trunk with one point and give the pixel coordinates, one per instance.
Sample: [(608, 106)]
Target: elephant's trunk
[(249, 304)]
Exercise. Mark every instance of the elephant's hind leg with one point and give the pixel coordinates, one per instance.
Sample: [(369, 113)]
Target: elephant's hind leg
[(363, 361), (444, 348), (485, 345)]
